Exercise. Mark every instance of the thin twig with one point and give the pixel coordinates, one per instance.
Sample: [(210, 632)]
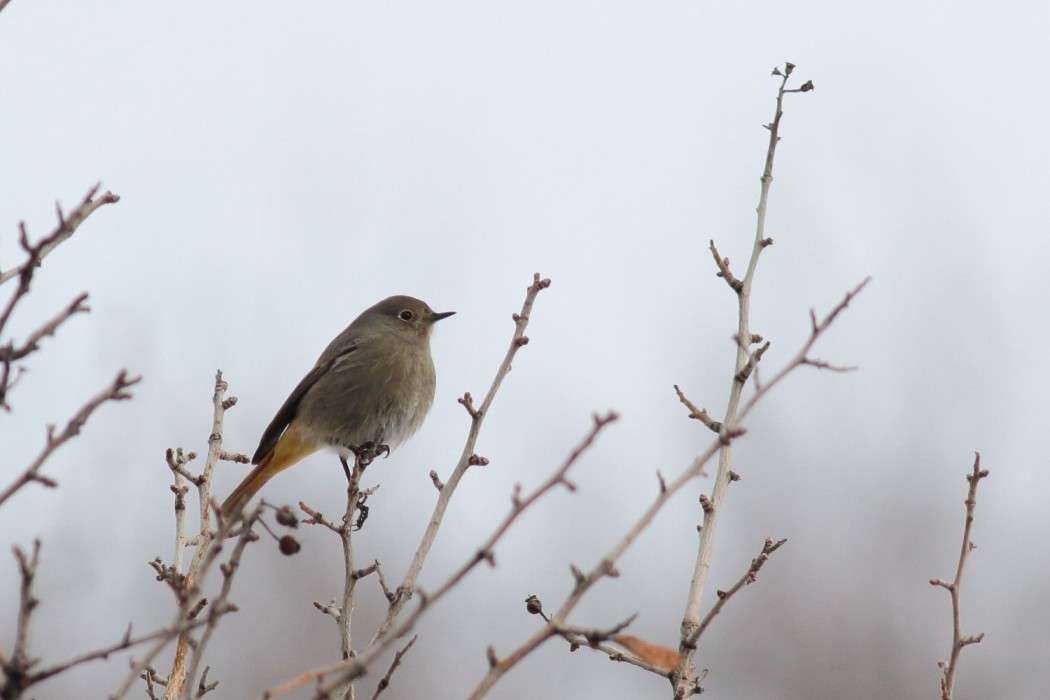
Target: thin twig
[(749, 577), (607, 565), (127, 642), (67, 225), (317, 518), (350, 669), (955, 587), (11, 353), (486, 552), (17, 668), (405, 590), (35, 254), (116, 391), (698, 413), (384, 682)]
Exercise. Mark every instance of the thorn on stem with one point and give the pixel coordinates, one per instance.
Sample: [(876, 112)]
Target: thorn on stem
[(577, 575)]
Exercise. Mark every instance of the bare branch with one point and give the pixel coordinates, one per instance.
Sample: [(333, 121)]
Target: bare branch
[(384, 682), (189, 615), (477, 417), (35, 253), (955, 587), (749, 577), (317, 518), (723, 270), (745, 363), (126, 642), (116, 391), (189, 652), (67, 226), (684, 675), (10, 353), (219, 607), (584, 581), (351, 668), (16, 668), (18, 674), (698, 413)]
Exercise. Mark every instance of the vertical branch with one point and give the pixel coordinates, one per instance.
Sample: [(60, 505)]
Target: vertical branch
[(955, 587), (743, 365), (467, 458), (16, 667), (355, 503), (188, 585), (346, 534), (218, 607)]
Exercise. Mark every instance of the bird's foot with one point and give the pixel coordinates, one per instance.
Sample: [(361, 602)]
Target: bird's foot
[(366, 452)]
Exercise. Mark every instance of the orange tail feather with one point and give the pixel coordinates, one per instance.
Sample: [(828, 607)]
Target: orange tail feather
[(288, 450)]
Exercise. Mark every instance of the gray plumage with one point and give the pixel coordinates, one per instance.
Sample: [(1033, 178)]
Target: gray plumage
[(373, 383)]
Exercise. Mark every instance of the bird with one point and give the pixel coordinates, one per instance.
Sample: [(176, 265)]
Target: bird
[(373, 385)]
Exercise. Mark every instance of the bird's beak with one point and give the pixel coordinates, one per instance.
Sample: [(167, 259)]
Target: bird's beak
[(444, 314)]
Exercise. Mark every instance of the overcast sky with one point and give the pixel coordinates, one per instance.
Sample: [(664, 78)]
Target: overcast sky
[(283, 166)]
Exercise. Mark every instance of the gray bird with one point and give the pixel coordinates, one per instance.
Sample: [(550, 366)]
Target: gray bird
[(374, 384)]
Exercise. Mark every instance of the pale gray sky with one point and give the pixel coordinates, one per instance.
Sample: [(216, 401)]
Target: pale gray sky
[(282, 166)]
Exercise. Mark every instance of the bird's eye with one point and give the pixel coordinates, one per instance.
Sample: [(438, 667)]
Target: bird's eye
[(406, 315)]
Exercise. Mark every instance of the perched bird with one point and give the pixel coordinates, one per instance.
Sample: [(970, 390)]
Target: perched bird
[(373, 385)]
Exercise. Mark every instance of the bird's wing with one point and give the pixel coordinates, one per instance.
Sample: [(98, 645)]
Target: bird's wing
[(290, 407)]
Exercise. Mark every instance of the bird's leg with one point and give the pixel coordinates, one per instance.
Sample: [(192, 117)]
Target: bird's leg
[(361, 460)]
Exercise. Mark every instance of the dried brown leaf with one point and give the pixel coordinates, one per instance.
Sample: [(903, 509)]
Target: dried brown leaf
[(661, 657)]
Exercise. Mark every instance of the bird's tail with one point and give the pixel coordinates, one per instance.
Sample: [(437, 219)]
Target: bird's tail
[(289, 449)]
